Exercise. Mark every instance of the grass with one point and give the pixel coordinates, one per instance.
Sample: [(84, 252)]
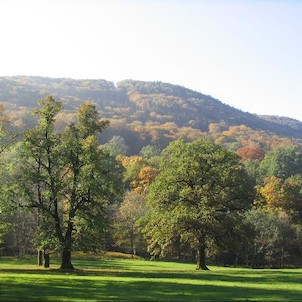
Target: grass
[(142, 280)]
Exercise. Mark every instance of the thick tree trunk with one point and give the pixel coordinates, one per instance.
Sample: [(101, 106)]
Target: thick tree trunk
[(201, 258), (66, 252), (66, 243), (46, 260), (66, 258)]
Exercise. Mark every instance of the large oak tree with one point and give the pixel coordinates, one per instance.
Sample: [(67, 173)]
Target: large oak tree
[(198, 195), (66, 176)]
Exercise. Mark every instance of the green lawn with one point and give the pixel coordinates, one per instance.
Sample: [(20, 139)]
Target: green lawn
[(143, 280)]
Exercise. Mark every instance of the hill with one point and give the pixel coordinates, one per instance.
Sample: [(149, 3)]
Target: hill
[(144, 112)]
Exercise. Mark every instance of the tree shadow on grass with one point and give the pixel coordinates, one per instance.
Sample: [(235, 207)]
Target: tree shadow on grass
[(57, 285), (137, 290), (114, 269)]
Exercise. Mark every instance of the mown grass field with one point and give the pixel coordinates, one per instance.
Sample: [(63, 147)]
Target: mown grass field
[(118, 279)]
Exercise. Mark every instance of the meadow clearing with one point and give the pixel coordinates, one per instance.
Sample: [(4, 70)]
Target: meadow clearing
[(117, 279)]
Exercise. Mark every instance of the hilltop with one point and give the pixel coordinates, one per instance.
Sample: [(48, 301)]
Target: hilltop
[(141, 112)]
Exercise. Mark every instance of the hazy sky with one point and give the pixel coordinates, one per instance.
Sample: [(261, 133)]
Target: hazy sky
[(246, 53)]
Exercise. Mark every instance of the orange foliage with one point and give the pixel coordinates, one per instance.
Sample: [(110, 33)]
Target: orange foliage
[(247, 137), (145, 177), (3, 118), (251, 152)]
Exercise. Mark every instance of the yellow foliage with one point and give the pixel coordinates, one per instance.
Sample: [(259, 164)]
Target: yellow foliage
[(128, 161), (145, 177)]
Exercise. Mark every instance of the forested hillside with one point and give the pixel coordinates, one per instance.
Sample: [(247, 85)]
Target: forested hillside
[(143, 113)]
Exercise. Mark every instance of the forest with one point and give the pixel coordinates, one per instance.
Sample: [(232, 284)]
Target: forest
[(150, 169)]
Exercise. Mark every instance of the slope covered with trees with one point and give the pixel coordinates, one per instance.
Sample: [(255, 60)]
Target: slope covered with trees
[(151, 112)]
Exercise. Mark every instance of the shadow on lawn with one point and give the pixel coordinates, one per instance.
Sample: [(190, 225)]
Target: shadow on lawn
[(117, 268), (121, 285), (141, 290)]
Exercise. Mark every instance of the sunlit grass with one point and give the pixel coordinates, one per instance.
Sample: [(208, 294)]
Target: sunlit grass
[(116, 279)]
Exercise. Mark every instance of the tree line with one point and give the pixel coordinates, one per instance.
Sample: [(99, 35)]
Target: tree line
[(62, 190)]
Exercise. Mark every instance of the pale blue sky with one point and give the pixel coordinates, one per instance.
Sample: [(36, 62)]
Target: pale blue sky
[(246, 53)]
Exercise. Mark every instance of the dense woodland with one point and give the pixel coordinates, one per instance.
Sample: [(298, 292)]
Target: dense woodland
[(151, 169)]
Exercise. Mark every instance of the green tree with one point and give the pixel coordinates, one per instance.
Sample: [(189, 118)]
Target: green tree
[(198, 195), (127, 230), (66, 176), (149, 151), (282, 162), (4, 122), (4, 210), (7, 137), (252, 168), (116, 146), (274, 240)]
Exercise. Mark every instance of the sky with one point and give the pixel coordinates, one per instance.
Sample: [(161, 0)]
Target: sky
[(246, 53)]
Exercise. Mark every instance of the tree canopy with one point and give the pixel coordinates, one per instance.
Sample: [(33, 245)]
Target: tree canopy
[(65, 175), (199, 193)]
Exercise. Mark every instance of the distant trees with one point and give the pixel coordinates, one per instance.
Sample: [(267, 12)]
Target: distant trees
[(6, 135), (282, 162), (274, 240), (2, 127), (254, 152), (139, 171), (280, 180), (116, 146), (198, 195), (127, 229), (149, 112), (65, 175), (277, 213), (6, 139), (149, 151)]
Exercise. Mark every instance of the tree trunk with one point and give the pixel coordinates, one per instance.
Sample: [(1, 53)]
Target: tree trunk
[(201, 258), (66, 258), (40, 257), (66, 243), (46, 260), (132, 244), (282, 253)]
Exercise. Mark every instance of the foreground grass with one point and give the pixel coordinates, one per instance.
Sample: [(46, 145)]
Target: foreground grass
[(143, 280)]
